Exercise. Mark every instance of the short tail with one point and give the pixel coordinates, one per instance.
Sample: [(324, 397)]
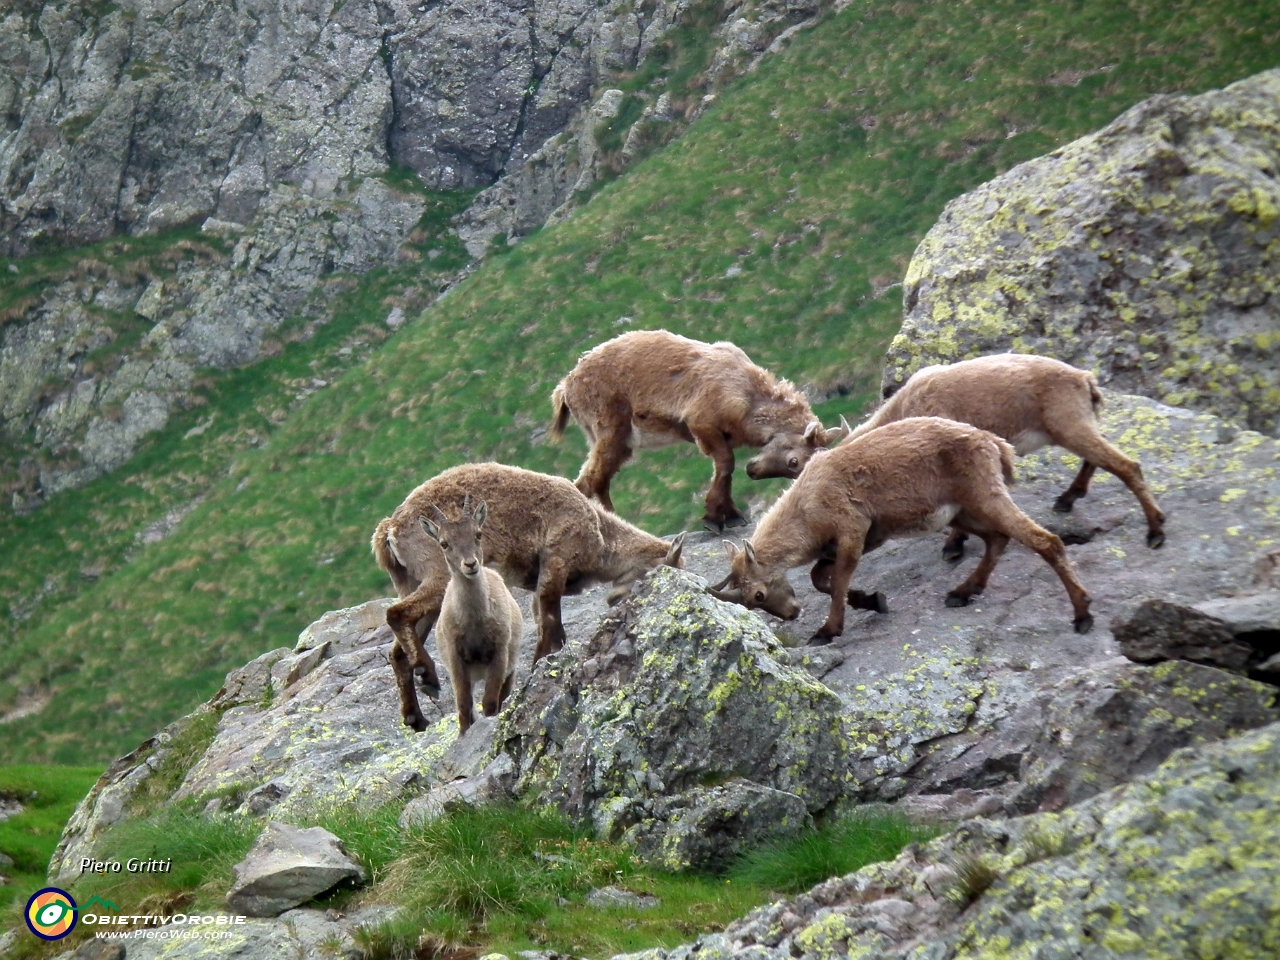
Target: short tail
[(384, 552), (560, 407), (1095, 395), (1006, 460)]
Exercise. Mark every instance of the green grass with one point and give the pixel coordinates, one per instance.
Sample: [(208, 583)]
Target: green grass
[(834, 849), (48, 795), (816, 175), (510, 878)]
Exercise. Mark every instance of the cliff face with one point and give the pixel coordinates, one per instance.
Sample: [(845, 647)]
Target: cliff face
[(1147, 252), (141, 115)]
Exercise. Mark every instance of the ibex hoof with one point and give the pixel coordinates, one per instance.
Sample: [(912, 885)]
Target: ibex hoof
[(736, 520), (1155, 539), (957, 599), (819, 640), (414, 721), (1064, 504), (712, 526), (868, 601), (1083, 624), (953, 552), (431, 690)]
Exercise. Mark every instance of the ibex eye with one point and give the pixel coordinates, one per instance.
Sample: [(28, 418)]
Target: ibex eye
[(759, 596), (795, 462), (444, 544)]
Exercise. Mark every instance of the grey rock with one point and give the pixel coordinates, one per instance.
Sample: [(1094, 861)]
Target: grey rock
[(1054, 876), (1143, 252), (707, 828), (288, 866), (615, 897), (491, 785), (1235, 633), (674, 689), (250, 683)]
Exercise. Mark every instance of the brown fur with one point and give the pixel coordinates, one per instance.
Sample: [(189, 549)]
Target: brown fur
[(902, 479), (1031, 402), (480, 625), (652, 388), (541, 535)]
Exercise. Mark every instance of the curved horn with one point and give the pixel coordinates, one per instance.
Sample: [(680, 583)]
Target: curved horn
[(727, 596), (751, 553), (466, 505), (723, 583), (672, 558), (848, 430)]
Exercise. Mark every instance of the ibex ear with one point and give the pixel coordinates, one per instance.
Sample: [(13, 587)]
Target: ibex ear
[(432, 530), (751, 553), (730, 549), (814, 433), (482, 512), (673, 554)]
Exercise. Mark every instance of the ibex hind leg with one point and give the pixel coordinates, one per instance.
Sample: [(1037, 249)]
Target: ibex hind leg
[(1085, 441)]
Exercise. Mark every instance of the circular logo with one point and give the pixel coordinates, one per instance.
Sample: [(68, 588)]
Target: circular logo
[(51, 913)]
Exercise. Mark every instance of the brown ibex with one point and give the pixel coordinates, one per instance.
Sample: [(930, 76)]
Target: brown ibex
[(480, 626), (910, 477), (651, 388), (1031, 402), (541, 535)]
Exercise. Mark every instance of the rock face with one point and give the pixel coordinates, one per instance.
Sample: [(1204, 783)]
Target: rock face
[(1185, 855), (1146, 252), (674, 691), (287, 866)]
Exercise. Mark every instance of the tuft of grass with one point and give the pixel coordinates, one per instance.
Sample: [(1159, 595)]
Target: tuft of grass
[(975, 873), (833, 850), (187, 746)]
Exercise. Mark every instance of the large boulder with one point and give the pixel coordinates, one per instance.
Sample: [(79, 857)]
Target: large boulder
[(288, 866), (1145, 252), (676, 691)]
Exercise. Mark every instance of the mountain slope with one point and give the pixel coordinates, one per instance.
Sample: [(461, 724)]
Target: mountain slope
[(782, 221)]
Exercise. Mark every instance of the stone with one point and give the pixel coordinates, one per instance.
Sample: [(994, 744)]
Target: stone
[(707, 828), (491, 785), (1144, 252), (1236, 633), (288, 866), (674, 690), (616, 897)]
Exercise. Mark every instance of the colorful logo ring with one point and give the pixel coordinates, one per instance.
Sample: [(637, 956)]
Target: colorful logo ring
[(51, 913)]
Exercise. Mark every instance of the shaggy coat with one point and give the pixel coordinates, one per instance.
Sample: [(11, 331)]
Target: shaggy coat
[(910, 477), (541, 535), (480, 626), (1031, 402), (651, 388)]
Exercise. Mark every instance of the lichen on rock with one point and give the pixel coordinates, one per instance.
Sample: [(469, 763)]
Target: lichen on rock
[(1146, 252)]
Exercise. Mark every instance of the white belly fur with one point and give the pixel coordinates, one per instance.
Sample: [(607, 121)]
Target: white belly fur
[(1030, 442)]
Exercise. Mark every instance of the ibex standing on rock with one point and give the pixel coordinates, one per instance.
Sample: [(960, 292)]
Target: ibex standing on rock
[(910, 477), (480, 626), (651, 388), (1031, 402), (541, 534)]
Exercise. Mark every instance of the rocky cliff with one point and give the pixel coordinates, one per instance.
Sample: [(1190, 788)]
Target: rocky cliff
[(1147, 252), (271, 130)]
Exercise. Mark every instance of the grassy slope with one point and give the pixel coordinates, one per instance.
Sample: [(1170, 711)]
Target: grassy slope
[(48, 797), (816, 175)]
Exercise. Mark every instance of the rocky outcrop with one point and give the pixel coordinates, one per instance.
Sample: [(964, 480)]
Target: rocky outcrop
[(1180, 856), (286, 867), (1146, 252)]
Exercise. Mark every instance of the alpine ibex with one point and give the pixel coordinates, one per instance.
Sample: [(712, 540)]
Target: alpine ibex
[(541, 534), (910, 477), (1031, 402), (651, 388), (480, 626)]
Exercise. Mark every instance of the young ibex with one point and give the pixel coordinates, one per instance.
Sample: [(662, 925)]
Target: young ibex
[(651, 388), (478, 633), (1031, 402), (541, 535), (910, 477)]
